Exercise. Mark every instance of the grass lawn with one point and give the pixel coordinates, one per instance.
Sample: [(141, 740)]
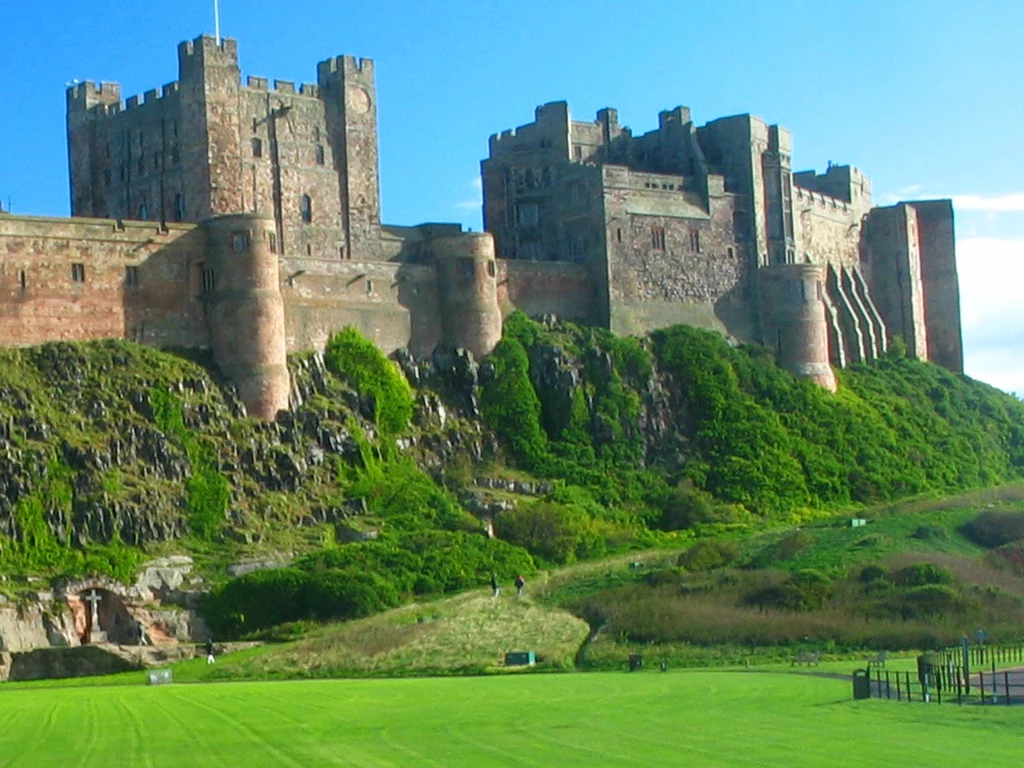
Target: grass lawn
[(611, 719)]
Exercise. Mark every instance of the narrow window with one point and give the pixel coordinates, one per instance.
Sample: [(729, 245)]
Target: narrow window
[(369, 287), (257, 147), (239, 242), (341, 252), (179, 207), (577, 152), (618, 234), (209, 280), (658, 238), (23, 280), (131, 277), (272, 239), (309, 249), (730, 251), (306, 209), (695, 240), (174, 129), (319, 154), (316, 133), (78, 273), (491, 271)]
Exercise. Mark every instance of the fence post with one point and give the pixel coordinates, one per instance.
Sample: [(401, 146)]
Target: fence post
[(1006, 686), (981, 685), (888, 688)]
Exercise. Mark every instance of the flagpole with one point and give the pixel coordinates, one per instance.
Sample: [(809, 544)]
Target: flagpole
[(216, 20)]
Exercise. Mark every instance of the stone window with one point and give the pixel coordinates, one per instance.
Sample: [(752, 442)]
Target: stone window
[(658, 238), (369, 286), (306, 209), (531, 250), (257, 147), (23, 280), (316, 133), (319, 154), (209, 280), (695, 240), (309, 249), (577, 248), (179, 207), (491, 270), (466, 268), (272, 241), (618, 234), (131, 277), (730, 252), (739, 226), (78, 273), (239, 242), (577, 152), (528, 214)]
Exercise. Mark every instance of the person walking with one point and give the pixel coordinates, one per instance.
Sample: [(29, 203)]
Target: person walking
[(520, 583), (210, 658), (494, 583), (142, 635)]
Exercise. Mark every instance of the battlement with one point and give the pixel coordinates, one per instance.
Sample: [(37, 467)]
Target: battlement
[(206, 46), (844, 182), (820, 201), (349, 65), (86, 95), (152, 96)]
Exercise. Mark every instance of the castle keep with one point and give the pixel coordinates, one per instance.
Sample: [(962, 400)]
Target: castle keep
[(245, 218)]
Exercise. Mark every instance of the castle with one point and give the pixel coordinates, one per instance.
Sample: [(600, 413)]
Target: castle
[(246, 219)]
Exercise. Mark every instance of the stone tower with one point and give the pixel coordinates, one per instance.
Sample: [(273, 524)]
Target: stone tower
[(468, 291)]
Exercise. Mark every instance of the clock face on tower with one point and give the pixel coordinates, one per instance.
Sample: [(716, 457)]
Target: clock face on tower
[(359, 101)]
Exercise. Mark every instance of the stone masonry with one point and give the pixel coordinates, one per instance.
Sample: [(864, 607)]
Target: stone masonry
[(245, 218)]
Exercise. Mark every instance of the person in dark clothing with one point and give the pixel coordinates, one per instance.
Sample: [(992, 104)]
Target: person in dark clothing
[(520, 583), (210, 658), (494, 584)]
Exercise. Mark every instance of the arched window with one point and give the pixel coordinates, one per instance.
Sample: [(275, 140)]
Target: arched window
[(306, 209), (257, 147)]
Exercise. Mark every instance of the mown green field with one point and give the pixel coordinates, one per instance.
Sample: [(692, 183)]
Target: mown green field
[(645, 719)]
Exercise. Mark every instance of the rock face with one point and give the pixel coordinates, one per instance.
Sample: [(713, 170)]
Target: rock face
[(39, 625)]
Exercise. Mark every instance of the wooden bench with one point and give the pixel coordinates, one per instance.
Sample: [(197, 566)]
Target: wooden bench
[(877, 660), (806, 657)]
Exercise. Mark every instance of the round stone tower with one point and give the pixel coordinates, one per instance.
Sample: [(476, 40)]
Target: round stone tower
[(793, 313), (244, 309), (468, 290)]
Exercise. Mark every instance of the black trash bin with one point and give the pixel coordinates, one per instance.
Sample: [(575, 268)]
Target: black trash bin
[(861, 684), (636, 662)]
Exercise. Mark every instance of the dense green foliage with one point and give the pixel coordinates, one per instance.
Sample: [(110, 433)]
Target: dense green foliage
[(207, 490), (757, 439), (358, 361), (995, 528), (358, 579)]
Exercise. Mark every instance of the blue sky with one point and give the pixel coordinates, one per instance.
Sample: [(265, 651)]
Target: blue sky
[(926, 97)]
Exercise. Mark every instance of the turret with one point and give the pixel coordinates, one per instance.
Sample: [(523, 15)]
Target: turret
[(792, 297), (468, 289), (244, 309)]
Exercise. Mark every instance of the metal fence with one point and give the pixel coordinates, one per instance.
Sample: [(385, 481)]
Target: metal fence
[(954, 675)]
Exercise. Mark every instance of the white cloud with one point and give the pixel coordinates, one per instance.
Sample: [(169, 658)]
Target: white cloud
[(991, 272), (476, 203), (995, 204), (468, 205)]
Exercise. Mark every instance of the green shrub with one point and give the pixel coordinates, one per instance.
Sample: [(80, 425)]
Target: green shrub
[(930, 532), (870, 573), (995, 528), (922, 574), (556, 533), (929, 601), (708, 555), (358, 361)]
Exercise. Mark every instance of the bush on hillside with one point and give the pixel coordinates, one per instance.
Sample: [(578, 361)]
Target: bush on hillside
[(556, 533), (995, 528), (358, 361), (923, 574), (708, 555)]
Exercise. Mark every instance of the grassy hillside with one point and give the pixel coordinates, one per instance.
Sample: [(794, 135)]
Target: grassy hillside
[(575, 443)]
